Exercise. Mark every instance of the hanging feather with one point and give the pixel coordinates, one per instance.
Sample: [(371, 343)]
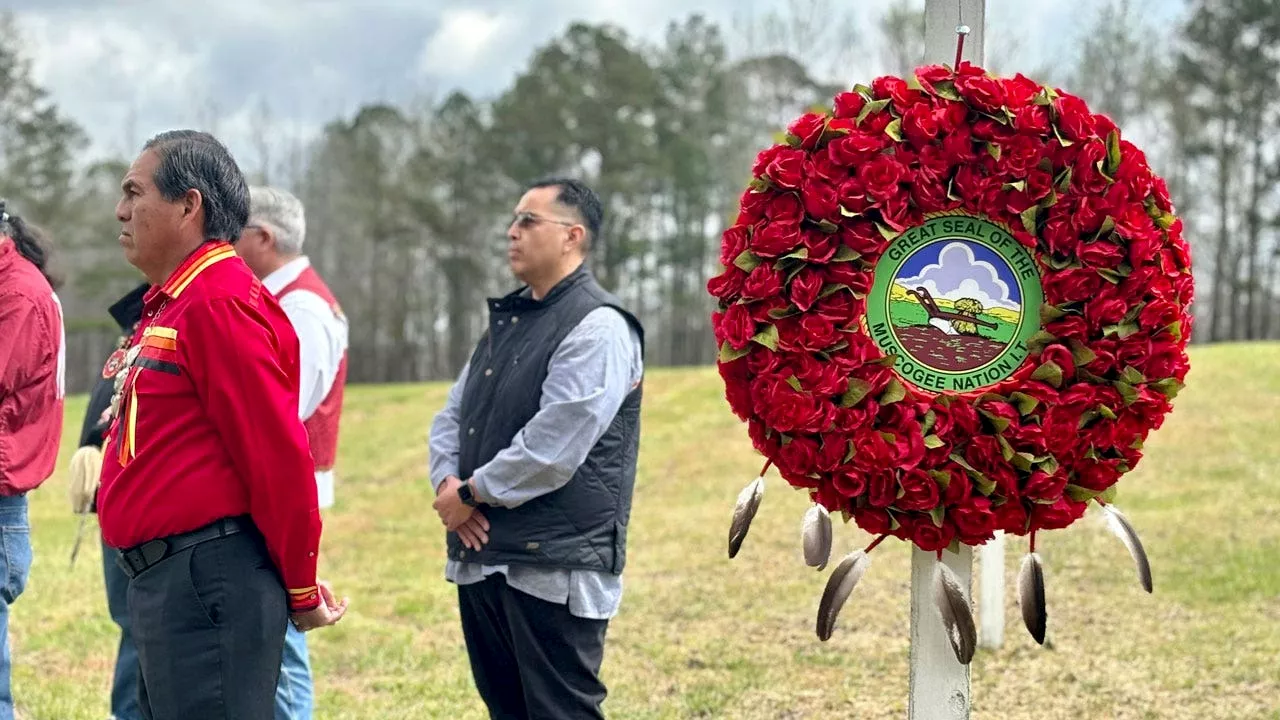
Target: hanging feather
[(957, 617), (1119, 525), (815, 536), (1031, 596), (744, 512), (841, 583)]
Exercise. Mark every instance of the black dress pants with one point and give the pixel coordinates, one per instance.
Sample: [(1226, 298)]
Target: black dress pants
[(531, 658), (209, 623)]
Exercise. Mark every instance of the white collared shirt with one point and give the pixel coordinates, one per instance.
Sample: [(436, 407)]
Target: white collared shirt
[(322, 341)]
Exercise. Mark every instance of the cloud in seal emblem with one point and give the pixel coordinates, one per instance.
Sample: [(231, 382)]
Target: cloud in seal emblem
[(951, 304)]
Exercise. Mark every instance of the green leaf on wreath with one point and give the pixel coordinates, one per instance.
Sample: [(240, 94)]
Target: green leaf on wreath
[(1060, 264), (1081, 353), (886, 361), (801, 254), (790, 139), (1111, 276), (746, 261), (950, 191), (1113, 152), (894, 129), (1029, 219), (1166, 220), (831, 133), (1170, 387), (845, 254), (794, 382), (930, 419), (893, 392), (760, 184), (728, 354), (1006, 450), (887, 232), (999, 423), (942, 477), (848, 213), (832, 289), (937, 514), (1132, 375), (1061, 140), (1127, 391), (1175, 329), (913, 83), (858, 389), (1108, 496), (986, 485), (1108, 227), (1019, 185), (994, 151), (1086, 417), (1106, 412), (1042, 98), (1049, 313), (788, 311), (1137, 444), (1050, 373), (1086, 376), (893, 522), (1081, 494), (874, 106), (851, 453), (863, 90), (959, 460), (933, 442), (827, 226), (1063, 181), (1038, 342), (1122, 330), (768, 337), (1025, 403), (946, 89), (1049, 200), (1049, 465)]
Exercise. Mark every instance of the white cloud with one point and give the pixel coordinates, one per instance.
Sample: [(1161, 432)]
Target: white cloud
[(958, 274), (464, 38)]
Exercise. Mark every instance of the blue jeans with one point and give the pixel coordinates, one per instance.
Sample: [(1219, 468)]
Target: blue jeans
[(124, 684), (15, 566), (294, 692)]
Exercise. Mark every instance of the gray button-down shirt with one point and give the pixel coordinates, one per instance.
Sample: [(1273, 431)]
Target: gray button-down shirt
[(588, 377)]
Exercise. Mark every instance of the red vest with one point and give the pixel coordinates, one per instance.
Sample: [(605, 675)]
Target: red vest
[(322, 426)]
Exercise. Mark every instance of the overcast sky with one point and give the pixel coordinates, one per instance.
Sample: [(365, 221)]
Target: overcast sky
[(129, 68)]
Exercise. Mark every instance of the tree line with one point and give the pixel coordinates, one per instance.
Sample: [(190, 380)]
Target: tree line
[(408, 204)]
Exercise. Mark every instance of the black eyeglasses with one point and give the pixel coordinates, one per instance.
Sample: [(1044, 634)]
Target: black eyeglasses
[(527, 219)]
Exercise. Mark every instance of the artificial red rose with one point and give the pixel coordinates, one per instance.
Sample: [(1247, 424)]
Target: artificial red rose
[(822, 201), (881, 176), (863, 238), (929, 537), (763, 282), (857, 147), (919, 491), (775, 239), (805, 287), (1097, 475), (1058, 515), (786, 170), (1086, 178), (1059, 237), (809, 128), (762, 438), (964, 418), (791, 337), (872, 520), (1134, 173), (1107, 308), (930, 196), (1042, 486), (1019, 155), (876, 122), (1020, 91), (958, 489), (820, 246), (853, 197), (835, 307), (920, 124), (988, 130), (1002, 411), (732, 242), (1061, 356), (751, 206), (727, 284), (821, 378), (831, 454), (958, 147), (971, 183), (848, 105), (1074, 119), (929, 75), (785, 410), (873, 452), (1074, 285), (785, 208), (1134, 351), (849, 275), (983, 453), (1086, 213), (765, 157), (827, 496), (897, 213), (850, 484), (737, 327), (973, 520), (820, 166), (1036, 187), (1031, 120), (764, 310), (1069, 327), (985, 93), (1166, 361), (882, 488), (1011, 516), (819, 333), (896, 89), (799, 456), (909, 445), (762, 363)]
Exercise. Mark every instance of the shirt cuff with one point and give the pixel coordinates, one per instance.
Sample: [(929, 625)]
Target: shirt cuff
[(304, 599), (480, 489)]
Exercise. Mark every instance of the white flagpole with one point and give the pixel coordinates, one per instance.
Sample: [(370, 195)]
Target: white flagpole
[(939, 683)]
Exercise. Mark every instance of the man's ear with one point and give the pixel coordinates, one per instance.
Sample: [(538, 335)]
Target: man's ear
[(577, 239)]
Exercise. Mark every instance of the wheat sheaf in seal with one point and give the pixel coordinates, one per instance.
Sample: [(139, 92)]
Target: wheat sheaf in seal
[(955, 299)]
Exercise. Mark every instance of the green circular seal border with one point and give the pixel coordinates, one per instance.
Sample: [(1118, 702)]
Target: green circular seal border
[(955, 227)]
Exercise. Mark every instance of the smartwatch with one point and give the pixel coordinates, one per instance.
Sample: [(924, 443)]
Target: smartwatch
[(465, 495)]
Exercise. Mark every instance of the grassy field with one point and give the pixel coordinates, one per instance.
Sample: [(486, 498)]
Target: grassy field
[(702, 636)]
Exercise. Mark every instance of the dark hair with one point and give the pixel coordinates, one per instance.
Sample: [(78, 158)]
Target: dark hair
[(190, 159), (575, 194), (32, 244)]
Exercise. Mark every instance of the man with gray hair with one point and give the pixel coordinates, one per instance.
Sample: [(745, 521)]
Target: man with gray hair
[(271, 246)]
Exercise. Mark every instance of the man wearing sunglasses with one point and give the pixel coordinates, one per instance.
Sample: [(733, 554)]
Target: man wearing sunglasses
[(533, 460)]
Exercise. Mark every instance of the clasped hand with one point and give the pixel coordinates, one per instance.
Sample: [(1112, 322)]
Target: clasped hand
[(457, 516)]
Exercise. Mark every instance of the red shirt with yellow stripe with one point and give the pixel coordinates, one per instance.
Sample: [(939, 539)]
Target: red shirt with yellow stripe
[(207, 425)]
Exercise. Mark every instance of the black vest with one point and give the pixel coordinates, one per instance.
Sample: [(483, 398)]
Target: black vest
[(582, 525)]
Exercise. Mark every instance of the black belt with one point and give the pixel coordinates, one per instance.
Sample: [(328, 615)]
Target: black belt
[(136, 560)]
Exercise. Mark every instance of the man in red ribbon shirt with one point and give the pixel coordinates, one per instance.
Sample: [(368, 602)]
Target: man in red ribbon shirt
[(32, 366), (207, 486)]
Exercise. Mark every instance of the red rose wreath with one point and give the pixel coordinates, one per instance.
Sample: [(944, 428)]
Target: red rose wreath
[(952, 305)]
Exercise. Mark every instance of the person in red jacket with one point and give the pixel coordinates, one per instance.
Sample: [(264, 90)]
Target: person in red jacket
[(32, 377), (207, 484)]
